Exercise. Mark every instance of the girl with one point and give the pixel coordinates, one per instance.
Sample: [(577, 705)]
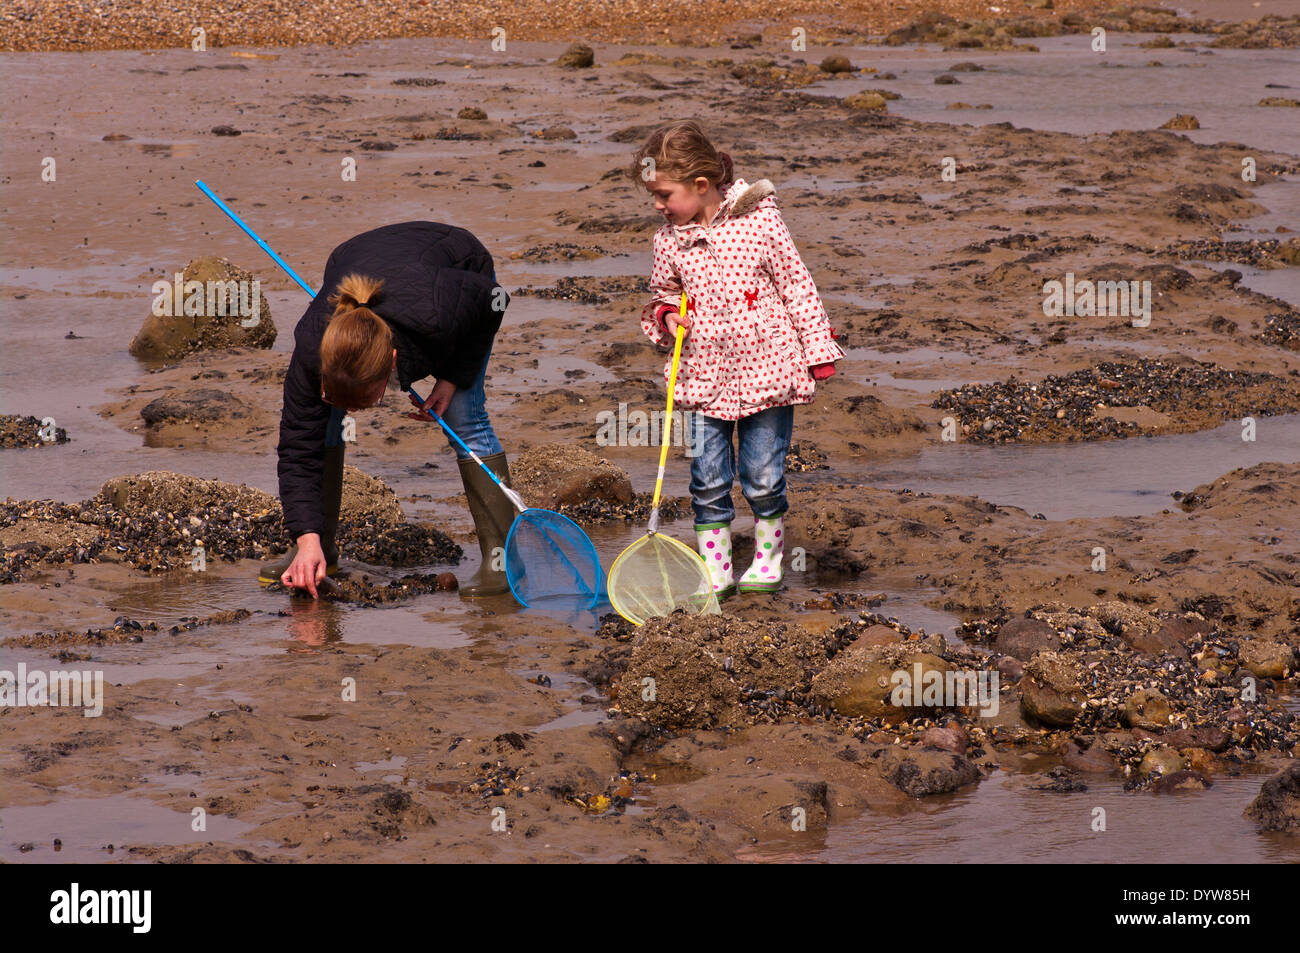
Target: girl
[(757, 338), (418, 298)]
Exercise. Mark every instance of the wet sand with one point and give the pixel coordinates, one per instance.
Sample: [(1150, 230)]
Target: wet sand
[(461, 708)]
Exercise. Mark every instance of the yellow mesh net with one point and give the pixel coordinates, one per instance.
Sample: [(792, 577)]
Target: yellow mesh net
[(657, 574)]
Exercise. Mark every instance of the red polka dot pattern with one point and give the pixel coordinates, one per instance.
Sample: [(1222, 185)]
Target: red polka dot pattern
[(757, 322)]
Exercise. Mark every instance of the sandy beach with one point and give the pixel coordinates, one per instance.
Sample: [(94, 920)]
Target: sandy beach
[(1100, 508)]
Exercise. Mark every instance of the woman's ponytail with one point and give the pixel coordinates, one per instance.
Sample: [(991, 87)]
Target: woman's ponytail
[(354, 291), (356, 350)]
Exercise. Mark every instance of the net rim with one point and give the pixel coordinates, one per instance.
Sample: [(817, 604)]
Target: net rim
[(588, 545), (673, 541)]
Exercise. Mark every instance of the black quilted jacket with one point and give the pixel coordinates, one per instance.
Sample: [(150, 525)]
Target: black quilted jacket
[(437, 297)]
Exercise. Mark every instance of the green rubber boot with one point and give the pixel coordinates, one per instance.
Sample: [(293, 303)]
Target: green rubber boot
[(331, 501), (493, 514)]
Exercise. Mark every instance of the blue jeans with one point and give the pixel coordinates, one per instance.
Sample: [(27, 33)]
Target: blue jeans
[(764, 440), (467, 415)]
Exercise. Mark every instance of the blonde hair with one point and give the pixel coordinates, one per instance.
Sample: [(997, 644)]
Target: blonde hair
[(357, 347), (681, 152)]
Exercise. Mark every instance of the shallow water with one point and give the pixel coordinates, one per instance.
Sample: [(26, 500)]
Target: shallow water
[(1000, 821), (1132, 477), (1067, 87), (88, 825)]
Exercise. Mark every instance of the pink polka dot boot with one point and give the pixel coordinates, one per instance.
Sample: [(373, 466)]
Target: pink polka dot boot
[(765, 575), (714, 542)]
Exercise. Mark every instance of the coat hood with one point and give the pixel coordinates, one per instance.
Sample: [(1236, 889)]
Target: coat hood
[(741, 198)]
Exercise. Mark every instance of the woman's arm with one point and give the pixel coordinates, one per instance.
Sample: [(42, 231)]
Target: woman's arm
[(301, 449)]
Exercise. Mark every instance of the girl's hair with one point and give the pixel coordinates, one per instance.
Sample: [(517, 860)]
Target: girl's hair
[(681, 153), (356, 351)]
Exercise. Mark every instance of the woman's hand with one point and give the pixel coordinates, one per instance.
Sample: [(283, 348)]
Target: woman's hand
[(443, 392), (308, 567)]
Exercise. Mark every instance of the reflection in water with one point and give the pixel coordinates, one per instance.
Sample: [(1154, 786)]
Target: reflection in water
[(313, 622)]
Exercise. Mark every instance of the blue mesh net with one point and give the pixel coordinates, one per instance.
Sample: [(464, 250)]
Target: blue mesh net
[(552, 563)]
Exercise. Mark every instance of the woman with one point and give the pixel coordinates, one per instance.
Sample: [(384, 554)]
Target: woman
[(418, 298)]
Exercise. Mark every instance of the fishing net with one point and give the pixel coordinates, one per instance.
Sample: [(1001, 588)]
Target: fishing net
[(551, 563), (657, 575)]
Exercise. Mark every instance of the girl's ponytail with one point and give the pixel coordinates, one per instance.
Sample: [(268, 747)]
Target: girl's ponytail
[(728, 170), (357, 347)]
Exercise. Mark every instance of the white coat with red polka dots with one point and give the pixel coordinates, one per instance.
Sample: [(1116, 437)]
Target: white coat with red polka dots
[(757, 322)]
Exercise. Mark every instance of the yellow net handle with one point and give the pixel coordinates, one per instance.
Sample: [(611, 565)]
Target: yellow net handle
[(668, 417)]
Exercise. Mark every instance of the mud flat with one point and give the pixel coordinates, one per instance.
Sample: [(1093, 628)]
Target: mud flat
[(1137, 655)]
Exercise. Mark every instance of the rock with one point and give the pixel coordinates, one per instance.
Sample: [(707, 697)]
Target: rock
[(947, 80), (554, 474), (158, 490), (169, 336), (951, 738), (1039, 4), (447, 582), (879, 635), (1161, 761), (1147, 708), (1094, 759), (921, 772), (703, 666), (368, 500), (1200, 760), (225, 131), (203, 404), (1010, 669), (1182, 121), (1170, 637), (965, 68), (471, 112), (859, 682), (836, 64), (1282, 101), (1052, 689), (1277, 806), (865, 100), (1021, 638), (691, 689), (1267, 659), (556, 132), (1181, 781), (577, 56)]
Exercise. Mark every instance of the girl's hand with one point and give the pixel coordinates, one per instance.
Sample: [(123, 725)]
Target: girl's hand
[(443, 392), (822, 371), (672, 318)]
